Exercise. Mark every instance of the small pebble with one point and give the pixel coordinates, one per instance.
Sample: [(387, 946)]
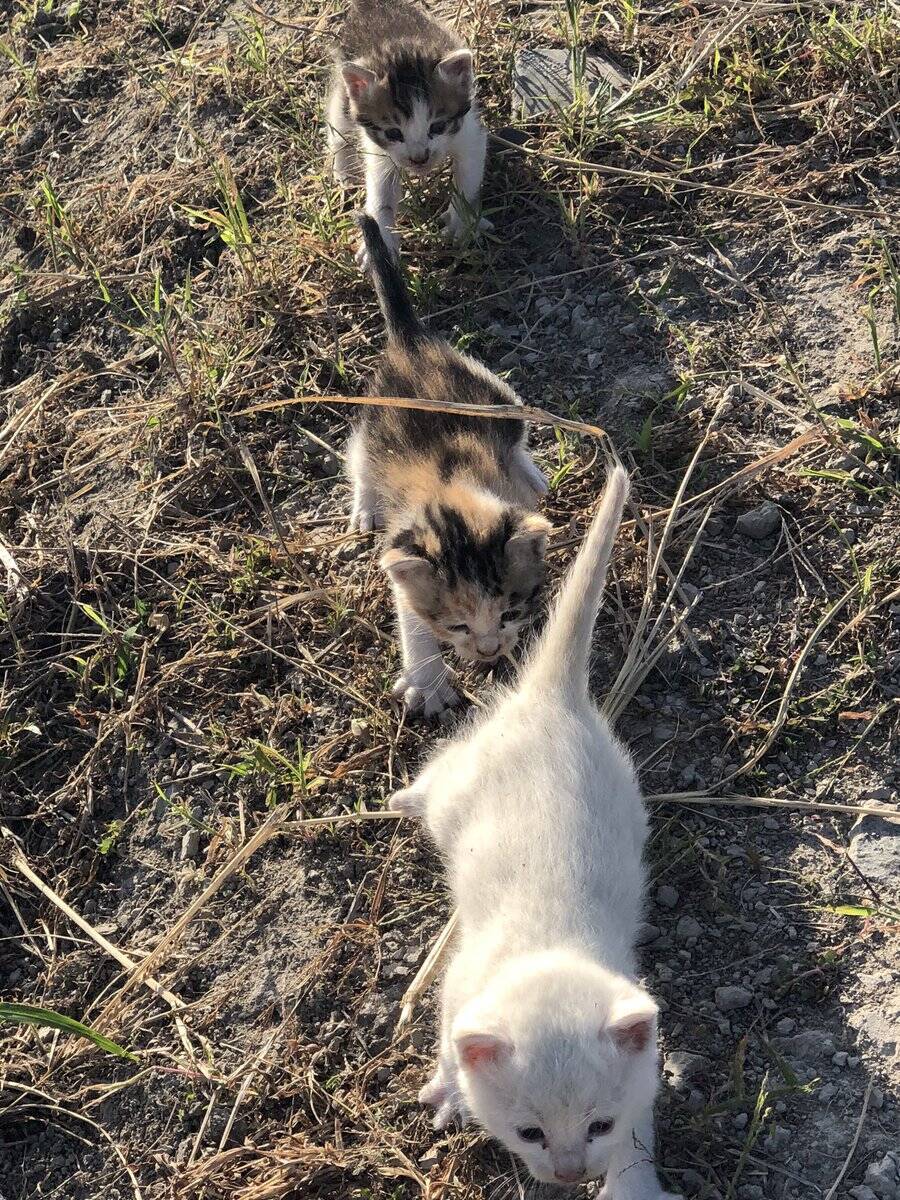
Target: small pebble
[(667, 896), (687, 928), (190, 844), (731, 997)]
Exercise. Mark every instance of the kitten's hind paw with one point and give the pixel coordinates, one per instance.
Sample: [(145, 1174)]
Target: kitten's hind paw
[(430, 699)]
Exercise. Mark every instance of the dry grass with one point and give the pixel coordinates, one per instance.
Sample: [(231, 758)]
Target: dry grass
[(194, 712)]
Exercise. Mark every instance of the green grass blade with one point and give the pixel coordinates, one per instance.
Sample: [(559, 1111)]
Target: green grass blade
[(29, 1014)]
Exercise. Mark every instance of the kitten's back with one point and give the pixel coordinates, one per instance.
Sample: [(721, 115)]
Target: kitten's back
[(378, 31), (419, 365), (538, 812)]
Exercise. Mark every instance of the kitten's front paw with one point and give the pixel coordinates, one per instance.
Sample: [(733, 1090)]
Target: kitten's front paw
[(390, 240), (428, 698), (616, 1191), (440, 1095), (461, 228), (365, 517)]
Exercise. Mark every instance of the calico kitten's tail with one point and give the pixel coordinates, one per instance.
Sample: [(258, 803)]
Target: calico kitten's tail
[(560, 659), (393, 297)]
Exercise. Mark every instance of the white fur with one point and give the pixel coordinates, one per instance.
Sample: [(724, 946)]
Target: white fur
[(426, 680), (366, 511), (539, 817)]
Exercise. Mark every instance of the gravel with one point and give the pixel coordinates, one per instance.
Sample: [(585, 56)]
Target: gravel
[(759, 522), (732, 997)]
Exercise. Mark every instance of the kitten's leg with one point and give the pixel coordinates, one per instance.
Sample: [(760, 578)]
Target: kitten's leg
[(632, 1172), (366, 514), (530, 472), (341, 139), (382, 199), (441, 1090), (425, 682), (469, 151)]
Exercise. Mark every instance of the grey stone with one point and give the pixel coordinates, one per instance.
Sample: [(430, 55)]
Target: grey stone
[(884, 1177), (667, 896), (862, 1192), (826, 1093), (692, 1181), (808, 1045), (687, 928), (647, 933), (681, 1065), (732, 997), (839, 1058), (190, 844), (544, 79), (875, 849), (759, 522)]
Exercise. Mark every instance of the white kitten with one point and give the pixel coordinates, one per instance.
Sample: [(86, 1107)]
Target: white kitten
[(547, 1039), (402, 101)]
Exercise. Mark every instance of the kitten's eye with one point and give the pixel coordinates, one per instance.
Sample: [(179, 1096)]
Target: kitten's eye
[(458, 628), (599, 1128), (394, 135), (531, 1134), (511, 614), (437, 128)]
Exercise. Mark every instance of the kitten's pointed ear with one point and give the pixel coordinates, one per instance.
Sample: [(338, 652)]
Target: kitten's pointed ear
[(632, 1024), (479, 1050), (529, 539), (407, 569), (357, 79), (457, 68)]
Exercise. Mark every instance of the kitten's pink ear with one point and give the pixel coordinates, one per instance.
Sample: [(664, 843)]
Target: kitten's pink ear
[(632, 1025), (357, 79), (479, 1050), (457, 67), (529, 539), (407, 569)]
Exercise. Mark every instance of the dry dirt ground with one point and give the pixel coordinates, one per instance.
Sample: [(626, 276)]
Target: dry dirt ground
[(197, 657)]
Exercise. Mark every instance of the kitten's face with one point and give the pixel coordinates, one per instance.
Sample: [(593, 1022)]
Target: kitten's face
[(414, 111), (562, 1092), (475, 587)]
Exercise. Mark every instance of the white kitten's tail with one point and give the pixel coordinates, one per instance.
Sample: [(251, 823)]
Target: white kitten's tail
[(560, 658)]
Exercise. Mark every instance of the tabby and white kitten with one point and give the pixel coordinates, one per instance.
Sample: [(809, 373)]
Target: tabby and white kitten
[(464, 549), (547, 1038), (402, 100)]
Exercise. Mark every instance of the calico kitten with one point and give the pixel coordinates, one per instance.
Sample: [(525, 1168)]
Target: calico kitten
[(547, 1040), (402, 100), (464, 549)]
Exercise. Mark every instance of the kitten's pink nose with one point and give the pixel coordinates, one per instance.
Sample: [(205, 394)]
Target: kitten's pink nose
[(420, 161), (569, 1176), (488, 647)]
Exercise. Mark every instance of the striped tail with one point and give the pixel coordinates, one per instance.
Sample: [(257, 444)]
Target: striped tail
[(393, 296)]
